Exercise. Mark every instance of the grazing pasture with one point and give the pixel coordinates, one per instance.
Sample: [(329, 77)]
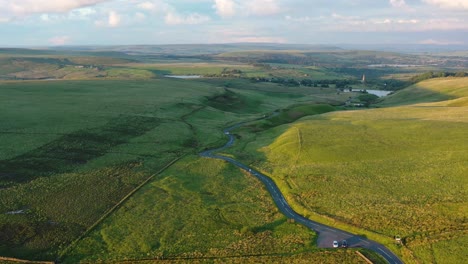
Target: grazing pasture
[(391, 171), (72, 150), (197, 208), (107, 169)]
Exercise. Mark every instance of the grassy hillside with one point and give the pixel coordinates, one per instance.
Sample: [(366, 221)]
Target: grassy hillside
[(393, 171), (198, 208), (22, 67), (71, 150), (450, 90)]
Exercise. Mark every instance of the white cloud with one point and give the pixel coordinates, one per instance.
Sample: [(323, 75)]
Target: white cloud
[(59, 40), (173, 18), (114, 19), (297, 19), (254, 39), (440, 42), (397, 3), (45, 17), (140, 16), (82, 13), (26, 7), (231, 8), (450, 4), (408, 21), (147, 6), (225, 8), (263, 7)]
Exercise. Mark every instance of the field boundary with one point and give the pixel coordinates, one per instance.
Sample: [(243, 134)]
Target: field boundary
[(113, 208), (24, 261), (175, 258), (364, 257)]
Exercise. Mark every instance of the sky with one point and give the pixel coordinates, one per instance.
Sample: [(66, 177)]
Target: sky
[(131, 22)]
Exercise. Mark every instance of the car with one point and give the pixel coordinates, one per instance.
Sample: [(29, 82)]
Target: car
[(344, 244), (335, 244)]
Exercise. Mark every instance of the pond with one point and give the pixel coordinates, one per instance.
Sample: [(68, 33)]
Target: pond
[(183, 76), (379, 93)]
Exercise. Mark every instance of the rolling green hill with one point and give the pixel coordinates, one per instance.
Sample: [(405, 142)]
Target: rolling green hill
[(72, 150), (391, 171), (449, 90), (105, 167)]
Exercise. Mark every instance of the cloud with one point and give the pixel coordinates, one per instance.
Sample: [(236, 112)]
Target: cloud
[(4, 19), (297, 19), (16, 8), (81, 14), (449, 4), (173, 18), (147, 6), (398, 3), (59, 40), (263, 7), (140, 16), (225, 8), (45, 17), (254, 39), (231, 8), (342, 23), (439, 42), (114, 19)]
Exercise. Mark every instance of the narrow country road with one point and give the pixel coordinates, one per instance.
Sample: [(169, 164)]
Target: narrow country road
[(327, 234)]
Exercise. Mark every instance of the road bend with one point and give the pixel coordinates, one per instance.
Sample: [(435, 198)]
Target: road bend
[(326, 234)]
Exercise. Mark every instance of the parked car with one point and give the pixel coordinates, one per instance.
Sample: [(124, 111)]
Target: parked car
[(344, 244), (335, 244)]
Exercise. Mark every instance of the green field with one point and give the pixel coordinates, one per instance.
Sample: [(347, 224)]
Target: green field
[(72, 150), (101, 164), (198, 208), (391, 171)]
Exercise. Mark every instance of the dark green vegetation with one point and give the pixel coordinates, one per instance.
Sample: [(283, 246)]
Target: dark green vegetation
[(74, 149), (290, 114), (210, 210), (71, 150), (67, 152)]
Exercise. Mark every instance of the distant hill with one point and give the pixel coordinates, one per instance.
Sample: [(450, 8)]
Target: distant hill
[(434, 90)]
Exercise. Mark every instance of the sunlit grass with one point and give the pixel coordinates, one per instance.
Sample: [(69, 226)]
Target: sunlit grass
[(198, 208), (393, 171)]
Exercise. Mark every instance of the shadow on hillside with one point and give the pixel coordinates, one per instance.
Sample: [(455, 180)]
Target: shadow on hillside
[(72, 150)]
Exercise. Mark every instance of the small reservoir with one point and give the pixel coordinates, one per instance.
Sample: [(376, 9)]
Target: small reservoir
[(379, 93), (183, 76)]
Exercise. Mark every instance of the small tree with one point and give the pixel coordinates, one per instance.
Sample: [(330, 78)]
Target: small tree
[(368, 99)]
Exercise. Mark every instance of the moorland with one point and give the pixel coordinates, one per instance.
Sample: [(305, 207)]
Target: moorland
[(99, 152)]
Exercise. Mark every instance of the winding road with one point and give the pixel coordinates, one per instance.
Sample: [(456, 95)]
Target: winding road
[(326, 234)]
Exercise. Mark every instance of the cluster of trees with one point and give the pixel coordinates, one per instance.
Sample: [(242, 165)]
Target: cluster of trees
[(307, 82), (430, 75), (230, 73), (367, 99)]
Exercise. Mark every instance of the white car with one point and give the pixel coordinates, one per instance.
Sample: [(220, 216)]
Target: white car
[(335, 244)]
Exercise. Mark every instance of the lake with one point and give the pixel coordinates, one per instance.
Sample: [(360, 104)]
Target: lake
[(379, 93), (183, 76)]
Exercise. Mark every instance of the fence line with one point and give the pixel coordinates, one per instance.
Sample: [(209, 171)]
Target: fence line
[(364, 257), (24, 261), (111, 210)]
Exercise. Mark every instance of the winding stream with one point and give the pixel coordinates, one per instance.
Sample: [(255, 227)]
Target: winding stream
[(327, 234)]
